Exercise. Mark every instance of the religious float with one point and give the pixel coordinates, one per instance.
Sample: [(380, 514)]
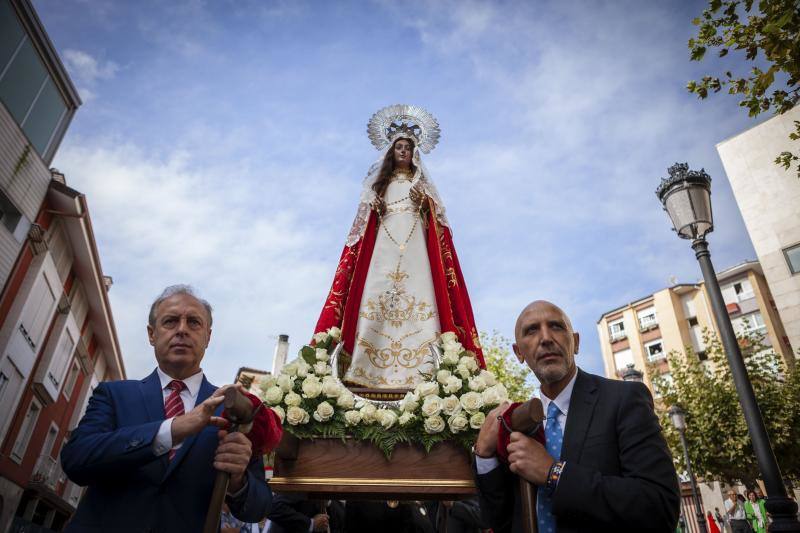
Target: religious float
[(388, 397)]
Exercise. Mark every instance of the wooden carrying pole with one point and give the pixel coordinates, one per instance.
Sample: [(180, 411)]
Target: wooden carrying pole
[(527, 419), (240, 412)]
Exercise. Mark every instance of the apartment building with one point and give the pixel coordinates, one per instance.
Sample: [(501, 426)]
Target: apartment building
[(645, 331), (768, 197), (57, 334)]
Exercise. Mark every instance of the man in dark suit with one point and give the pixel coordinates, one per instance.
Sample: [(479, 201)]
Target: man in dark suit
[(149, 450), (295, 513), (605, 465)]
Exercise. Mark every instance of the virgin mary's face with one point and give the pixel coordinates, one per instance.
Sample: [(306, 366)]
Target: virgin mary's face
[(403, 149)]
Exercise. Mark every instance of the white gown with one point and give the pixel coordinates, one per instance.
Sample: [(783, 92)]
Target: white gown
[(397, 317)]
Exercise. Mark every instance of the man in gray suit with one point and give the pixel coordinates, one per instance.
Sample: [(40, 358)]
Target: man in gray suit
[(605, 463)]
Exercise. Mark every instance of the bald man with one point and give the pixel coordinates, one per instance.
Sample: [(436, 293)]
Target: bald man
[(605, 465)]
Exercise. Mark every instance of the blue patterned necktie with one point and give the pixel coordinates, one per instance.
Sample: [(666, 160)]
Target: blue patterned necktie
[(553, 436)]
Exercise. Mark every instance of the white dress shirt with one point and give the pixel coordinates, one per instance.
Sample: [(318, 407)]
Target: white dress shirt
[(163, 441), (486, 464)]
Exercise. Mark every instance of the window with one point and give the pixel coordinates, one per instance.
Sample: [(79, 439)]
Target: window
[(647, 318), (25, 431), (50, 440), (61, 357), (72, 378), (26, 88), (687, 302), (654, 350), (617, 330), (743, 290), (623, 358), (792, 255), (752, 323)]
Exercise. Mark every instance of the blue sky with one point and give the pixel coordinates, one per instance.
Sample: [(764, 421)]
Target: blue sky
[(222, 144)]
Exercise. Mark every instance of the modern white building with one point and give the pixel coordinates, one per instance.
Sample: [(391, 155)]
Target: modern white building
[(769, 199)]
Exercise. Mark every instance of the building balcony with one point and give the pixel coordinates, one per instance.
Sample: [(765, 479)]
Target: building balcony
[(618, 336), (47, 472), (647, 324)]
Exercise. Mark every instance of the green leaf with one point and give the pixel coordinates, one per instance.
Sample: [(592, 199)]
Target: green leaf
[(308, 354)]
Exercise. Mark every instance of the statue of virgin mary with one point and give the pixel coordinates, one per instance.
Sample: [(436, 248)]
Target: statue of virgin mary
[(398, 284)]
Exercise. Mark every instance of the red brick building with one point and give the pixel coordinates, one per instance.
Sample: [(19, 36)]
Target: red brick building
[(57, 334)]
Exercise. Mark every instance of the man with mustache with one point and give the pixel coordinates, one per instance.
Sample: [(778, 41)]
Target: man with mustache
[(149, 450), (605, 464)]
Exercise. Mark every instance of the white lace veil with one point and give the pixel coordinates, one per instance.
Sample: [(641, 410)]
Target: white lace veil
[(421, 181)]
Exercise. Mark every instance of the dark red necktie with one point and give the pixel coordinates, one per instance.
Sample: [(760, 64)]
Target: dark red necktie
[(173, 406)]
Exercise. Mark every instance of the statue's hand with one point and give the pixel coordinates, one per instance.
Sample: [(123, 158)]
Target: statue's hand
[(416, 194), (379, 206)]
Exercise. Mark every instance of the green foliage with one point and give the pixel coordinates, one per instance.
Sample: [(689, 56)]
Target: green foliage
[(769, 35), (501, 361), (719, 444)]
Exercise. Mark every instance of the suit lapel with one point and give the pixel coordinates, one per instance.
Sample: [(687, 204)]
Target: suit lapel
[(153, 397), (206, 389), (581, 408)]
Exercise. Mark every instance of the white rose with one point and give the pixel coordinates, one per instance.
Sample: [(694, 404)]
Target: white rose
[(352, 418), (469, 362), (268, 381), (322, 368), (431, 406), (477, 384), (405, 418), (471, 402), (302, 369), (322, 354), (331, 389), (409, 403), (292, 399), (453, 347), (476, 420), (450, 358), (297, 415), (320, 337), (427, 388), (448, 336), (442, 375), (457, 423), (434, 424), (273, 396), (324, 412), (502, 392), (368, 413), (463, 371), (386, 418), (280, 412), (311, 387), (488, 378), (286, 382), (451, 405), (335, 332), (290, 369), (346, 399), (453, 385)]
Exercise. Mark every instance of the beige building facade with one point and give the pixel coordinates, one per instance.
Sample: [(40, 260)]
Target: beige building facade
[(769, 200), (645, 331)]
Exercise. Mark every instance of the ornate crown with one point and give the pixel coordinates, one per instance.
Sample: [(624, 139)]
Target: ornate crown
[(402, 120)]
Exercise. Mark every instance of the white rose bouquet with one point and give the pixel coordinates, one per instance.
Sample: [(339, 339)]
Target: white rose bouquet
[(449, 405)]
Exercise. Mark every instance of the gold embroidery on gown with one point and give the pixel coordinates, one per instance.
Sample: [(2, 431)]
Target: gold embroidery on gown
[(397, 317)]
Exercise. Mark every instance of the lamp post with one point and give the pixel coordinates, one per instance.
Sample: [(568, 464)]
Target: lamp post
[(631, 374), (686, 197), (678, 417)]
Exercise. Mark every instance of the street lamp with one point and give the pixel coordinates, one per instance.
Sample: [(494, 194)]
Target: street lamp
[(678, 417), (631, 374), (686, 197)]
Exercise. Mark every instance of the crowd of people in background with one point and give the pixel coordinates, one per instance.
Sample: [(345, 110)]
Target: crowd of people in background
[(741, 514)]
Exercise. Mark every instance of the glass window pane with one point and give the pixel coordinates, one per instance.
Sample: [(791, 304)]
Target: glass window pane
[(22, 81), (10, 32), (44, 117), (793, 258)]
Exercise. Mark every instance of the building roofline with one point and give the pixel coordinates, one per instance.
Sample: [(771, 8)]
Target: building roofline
[(744, 266)]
